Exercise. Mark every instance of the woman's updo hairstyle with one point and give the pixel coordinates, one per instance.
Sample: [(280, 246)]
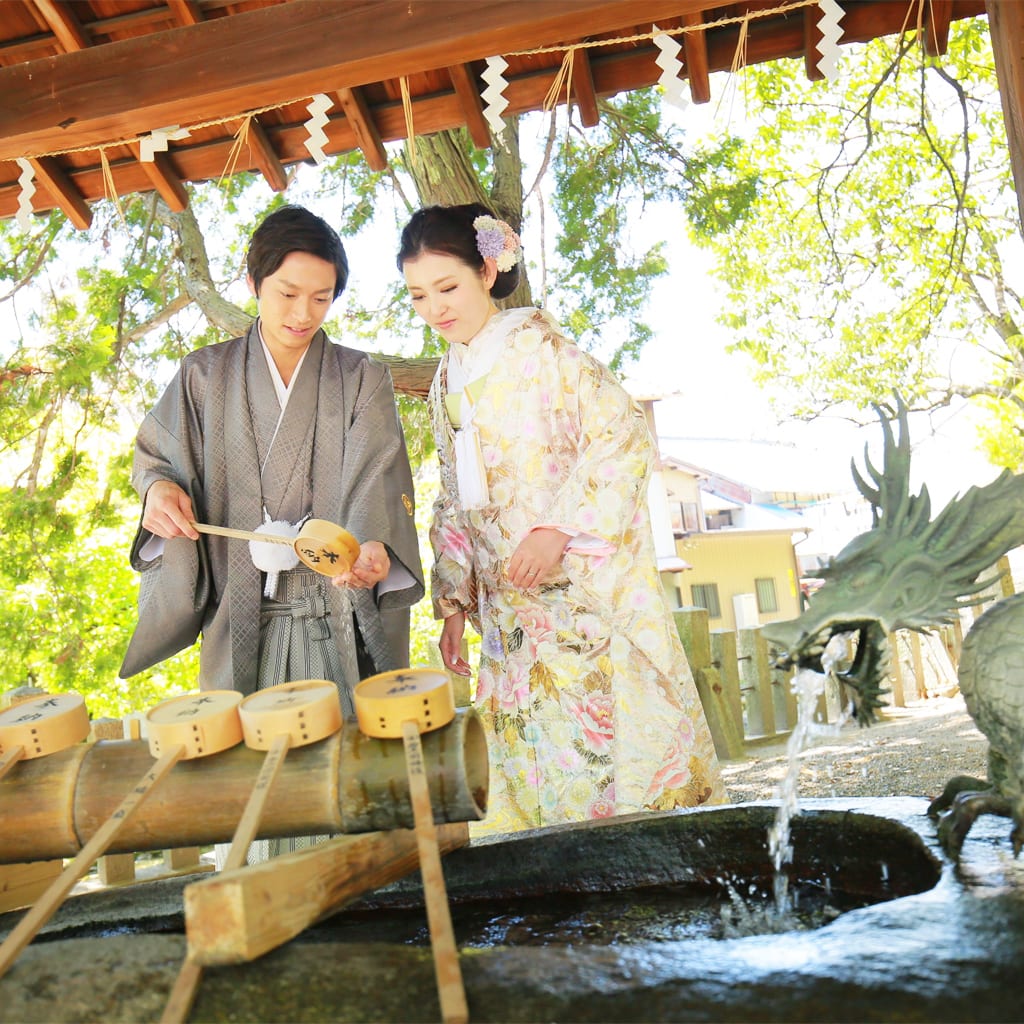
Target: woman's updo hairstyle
[(449, 230)]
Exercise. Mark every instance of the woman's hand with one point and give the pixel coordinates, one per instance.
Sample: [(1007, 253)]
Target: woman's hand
[(168, 511), (450, 644), (538, 554), (372, 565)]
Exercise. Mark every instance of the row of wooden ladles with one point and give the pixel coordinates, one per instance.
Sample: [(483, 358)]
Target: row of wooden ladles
[(400, 704)]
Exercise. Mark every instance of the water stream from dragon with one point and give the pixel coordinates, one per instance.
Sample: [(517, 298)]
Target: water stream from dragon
[(808, 686)]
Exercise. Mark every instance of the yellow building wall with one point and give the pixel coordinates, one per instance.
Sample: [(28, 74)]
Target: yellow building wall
[(734, 560)]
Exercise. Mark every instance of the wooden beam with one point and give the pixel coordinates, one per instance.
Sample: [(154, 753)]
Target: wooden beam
[(613, 72), (265, 157), (1006, 23), (186, 12), (64, 193), (583, 89), (937, 16), (275, 55), (360, 119), (161, 173), (695, 53), (468, 92), (242, 914), (63, 24)]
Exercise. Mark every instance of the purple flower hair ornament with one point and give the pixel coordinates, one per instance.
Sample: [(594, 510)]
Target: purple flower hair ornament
[(496, 239)]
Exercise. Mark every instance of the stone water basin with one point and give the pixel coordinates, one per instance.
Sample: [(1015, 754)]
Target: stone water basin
[(659, 917)]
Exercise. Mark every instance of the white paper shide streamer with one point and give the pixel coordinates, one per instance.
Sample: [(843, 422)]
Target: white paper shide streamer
[(26, 182), (671, 80), (157, 141), (828, 48), (317, 108), (494, 95)]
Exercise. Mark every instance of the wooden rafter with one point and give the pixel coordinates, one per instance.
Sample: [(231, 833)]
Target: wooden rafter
[(583, 89), (186, 12), (63, 24), (50, 174), (937, 17), (270, 57), (464, 82), (812, 40), (161, 174), (360, 118), (695, 52), (265, 157)]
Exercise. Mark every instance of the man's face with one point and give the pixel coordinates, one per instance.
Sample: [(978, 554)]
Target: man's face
[(294, 301)]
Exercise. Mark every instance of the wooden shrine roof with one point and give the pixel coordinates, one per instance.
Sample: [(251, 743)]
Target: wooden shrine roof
[(83, 81)]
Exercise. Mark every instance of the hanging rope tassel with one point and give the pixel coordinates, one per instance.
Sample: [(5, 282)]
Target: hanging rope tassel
[(109, 188), (410, 131), (241, 139)]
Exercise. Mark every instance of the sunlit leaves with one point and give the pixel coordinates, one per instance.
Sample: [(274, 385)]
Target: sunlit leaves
[(875, 255)]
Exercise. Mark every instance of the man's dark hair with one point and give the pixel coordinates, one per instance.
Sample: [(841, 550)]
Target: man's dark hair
[(294, 229)]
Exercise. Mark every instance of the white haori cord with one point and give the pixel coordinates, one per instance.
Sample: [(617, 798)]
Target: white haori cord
[(271, 558)]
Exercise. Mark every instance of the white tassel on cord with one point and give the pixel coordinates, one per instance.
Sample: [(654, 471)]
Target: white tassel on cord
[(28, 190), (494, 95), (318, 108), (273, 558), (828, 26), (668, 60)]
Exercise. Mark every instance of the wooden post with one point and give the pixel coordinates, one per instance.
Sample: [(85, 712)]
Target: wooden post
[(692, 626), (1006, 579), (181, 858), (116, 868), (723, 657), (899, 699), (1006, 25), (920, 689), (752, 656)]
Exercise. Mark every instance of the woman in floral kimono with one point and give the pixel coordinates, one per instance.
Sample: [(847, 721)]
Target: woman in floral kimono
[(542, 540)]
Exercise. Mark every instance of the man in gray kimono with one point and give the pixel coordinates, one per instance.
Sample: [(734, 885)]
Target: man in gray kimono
[(272, 429)]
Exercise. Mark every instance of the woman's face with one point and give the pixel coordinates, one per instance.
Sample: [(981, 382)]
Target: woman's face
[(451, 297)]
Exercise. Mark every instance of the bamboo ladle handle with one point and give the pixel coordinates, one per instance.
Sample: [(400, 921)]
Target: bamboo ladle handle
[(276, 719), (186, 985), (227, 531), (212, 725), (54, 896), (10, 758), (405, 703)]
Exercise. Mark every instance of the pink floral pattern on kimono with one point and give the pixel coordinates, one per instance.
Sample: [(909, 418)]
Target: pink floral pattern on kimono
[(583, 685)]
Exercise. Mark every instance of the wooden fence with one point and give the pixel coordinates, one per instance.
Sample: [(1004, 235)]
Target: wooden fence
[(747, 701)]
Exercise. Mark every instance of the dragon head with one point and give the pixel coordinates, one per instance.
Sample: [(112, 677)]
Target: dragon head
[(907, 572)]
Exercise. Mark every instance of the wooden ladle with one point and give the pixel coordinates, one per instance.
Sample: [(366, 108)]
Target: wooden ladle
[(289, 715), (405, 703), (40, 726), (195, 725), (321, 545)]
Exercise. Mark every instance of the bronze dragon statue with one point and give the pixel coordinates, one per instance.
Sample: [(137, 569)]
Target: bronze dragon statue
[(912, 571)]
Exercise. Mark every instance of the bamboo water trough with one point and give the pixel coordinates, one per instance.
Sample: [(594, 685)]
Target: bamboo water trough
[(346, 783)]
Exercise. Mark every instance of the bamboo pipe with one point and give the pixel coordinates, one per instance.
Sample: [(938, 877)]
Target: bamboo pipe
[(346, 783)]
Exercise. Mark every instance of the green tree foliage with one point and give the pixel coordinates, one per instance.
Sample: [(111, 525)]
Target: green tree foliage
[(879, 250), (102, 318)]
